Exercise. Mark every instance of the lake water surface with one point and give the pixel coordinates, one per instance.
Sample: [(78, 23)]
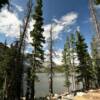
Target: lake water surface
[(42, 87)]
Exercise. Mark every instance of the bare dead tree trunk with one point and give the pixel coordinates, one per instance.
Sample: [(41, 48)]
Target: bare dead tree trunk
[(51, 65), (73, 74), (21, 45), (29, 6), (94, 18)]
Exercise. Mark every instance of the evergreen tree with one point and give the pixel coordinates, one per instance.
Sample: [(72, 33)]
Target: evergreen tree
[(29, 61), (28, 84), (73, 56), (3, 2), (4, 59), (38, 40), (66, 61), (95, 62), (13, 76), (97, 2), (8, 62), (84, 68), (14, 63)]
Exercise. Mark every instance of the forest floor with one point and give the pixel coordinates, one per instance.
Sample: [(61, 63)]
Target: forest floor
[(90, 95)]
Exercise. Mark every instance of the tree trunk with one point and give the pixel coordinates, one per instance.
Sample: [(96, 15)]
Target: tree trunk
[(33, 90), (51, 65)]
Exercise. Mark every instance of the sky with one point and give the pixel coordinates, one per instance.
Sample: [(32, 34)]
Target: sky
[(66, 16)]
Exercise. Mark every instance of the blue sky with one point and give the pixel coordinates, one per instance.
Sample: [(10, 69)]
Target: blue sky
[(58, 8), (72, 14)]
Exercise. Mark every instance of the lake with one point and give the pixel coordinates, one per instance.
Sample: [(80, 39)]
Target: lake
[(42, 87)]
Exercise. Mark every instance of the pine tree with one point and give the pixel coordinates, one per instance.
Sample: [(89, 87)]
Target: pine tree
[(84, 68), (73, 56), (4, 59), (67, 63), (29, 60), (38, 40), (13, 83), (97, 2), (3, 2), (95, 60), (9, 76), (14, 63), (28, 84)]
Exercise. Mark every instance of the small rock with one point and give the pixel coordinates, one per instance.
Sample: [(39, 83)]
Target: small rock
[(56, 95), (80, 93)]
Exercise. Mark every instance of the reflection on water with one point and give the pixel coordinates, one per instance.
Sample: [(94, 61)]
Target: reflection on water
[(42, 87)]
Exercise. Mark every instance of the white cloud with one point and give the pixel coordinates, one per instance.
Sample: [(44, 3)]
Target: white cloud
[(58, 59), (97, 7), (69, 30), (10, 26), (19, 8), (55, 31), (28, 48), (30, 28), (87, 21), (69, 18), (60, 25), (18, 5), (9, 23), (57, 56), (78, 28)]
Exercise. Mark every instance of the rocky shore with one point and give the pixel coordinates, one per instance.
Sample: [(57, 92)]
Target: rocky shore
[(88, 95)]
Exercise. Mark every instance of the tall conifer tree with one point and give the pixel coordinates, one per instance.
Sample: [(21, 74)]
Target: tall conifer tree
[(38, 40), (85, 68), (3, 2), (97, 2), (73, 56), (66, 62), (95, 62)]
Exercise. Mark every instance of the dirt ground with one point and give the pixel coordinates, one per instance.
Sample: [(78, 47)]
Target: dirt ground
[(90, 95)]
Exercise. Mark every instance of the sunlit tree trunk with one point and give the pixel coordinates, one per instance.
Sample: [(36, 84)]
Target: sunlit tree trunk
[(51, 64)]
